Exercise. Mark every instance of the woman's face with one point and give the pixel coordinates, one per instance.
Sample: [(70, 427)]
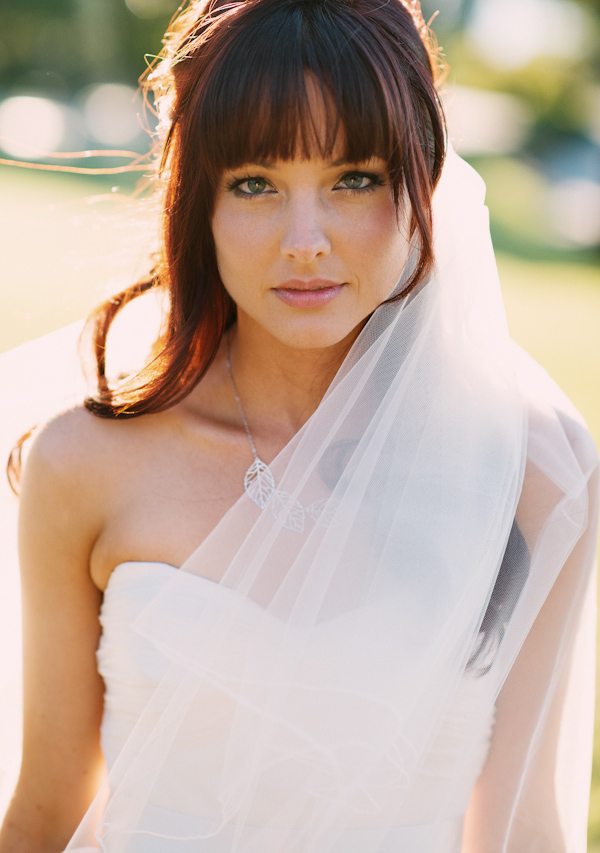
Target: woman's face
[(307, 249)]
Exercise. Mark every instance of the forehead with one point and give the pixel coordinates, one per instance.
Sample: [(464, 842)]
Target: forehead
[(277, 107)]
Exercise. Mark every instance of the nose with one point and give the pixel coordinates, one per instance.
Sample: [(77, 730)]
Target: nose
[(305, 237)]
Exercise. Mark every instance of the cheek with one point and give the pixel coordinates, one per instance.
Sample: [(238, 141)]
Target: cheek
[(224, 229), (390, 228), (240, 241), (380, 243), (231, 244)]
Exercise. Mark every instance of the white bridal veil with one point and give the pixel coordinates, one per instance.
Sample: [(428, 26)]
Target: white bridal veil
[(422, 576)]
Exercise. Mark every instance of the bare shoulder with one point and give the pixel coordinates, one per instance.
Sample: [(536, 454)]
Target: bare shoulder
[(562, 467), (68, 480), (560, 443), (580, 440), (75, 446), (60, 444)]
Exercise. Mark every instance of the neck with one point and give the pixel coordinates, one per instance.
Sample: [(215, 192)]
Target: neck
[(280, 386)]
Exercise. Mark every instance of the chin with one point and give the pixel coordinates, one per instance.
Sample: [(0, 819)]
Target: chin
[(318, 336)]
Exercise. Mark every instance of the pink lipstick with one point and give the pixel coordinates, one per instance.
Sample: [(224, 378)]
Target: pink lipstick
[(308, 294)]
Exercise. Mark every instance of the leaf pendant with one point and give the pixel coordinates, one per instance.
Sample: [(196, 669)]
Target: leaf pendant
[(322, 511), (288, 511), (259, 483)]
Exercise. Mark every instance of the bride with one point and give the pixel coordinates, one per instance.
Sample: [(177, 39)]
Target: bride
[(320, 576)]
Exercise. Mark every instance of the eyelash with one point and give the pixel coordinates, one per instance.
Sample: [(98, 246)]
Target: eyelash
[(375, 182)]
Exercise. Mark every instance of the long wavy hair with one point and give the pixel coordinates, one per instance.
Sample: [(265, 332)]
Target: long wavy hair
[(231, 88)]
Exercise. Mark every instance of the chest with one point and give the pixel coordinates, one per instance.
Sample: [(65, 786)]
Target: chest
[(165, 498)]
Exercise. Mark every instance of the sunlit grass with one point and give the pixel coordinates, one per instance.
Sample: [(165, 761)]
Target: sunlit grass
[(66, 243)]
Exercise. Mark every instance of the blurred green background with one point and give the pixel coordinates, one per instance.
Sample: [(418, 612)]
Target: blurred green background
[(523, 102)]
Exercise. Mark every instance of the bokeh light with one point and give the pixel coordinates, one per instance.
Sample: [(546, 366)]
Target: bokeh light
[(484, 122), (111, 114), (31, 127), (509, 34), (575, 211)]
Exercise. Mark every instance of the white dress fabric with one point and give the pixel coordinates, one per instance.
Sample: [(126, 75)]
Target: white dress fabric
[(367, 664), (132, 669)]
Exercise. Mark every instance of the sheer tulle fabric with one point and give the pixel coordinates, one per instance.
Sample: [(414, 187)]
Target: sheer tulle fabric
[(317, 650)]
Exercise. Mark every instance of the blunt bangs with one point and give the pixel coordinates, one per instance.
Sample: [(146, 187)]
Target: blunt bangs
[(258, 101)]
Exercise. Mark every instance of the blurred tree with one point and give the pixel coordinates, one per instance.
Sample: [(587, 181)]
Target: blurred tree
[(560, 91), (59, 46)]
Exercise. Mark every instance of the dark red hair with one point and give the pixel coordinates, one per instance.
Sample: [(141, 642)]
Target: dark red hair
[(231, 87)]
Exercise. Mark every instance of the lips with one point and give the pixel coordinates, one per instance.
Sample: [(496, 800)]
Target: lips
[(308, 294)]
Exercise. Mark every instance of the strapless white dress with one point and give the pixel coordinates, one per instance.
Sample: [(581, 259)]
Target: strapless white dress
[(131, 668)]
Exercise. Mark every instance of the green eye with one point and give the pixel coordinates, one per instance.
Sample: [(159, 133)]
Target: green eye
[(250, 187), (359, 182), (354, 182), (256, 185)]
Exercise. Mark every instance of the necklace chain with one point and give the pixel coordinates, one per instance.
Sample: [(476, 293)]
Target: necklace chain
[(239, 402), (259, 482)]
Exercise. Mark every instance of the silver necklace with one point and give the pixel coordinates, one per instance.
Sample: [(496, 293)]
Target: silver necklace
[(259, 483)]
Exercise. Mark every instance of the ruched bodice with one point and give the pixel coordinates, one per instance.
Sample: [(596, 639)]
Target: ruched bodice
[(132, 667)]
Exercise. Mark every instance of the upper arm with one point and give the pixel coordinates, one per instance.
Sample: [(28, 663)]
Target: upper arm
[(59, 520), (533, 791)]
